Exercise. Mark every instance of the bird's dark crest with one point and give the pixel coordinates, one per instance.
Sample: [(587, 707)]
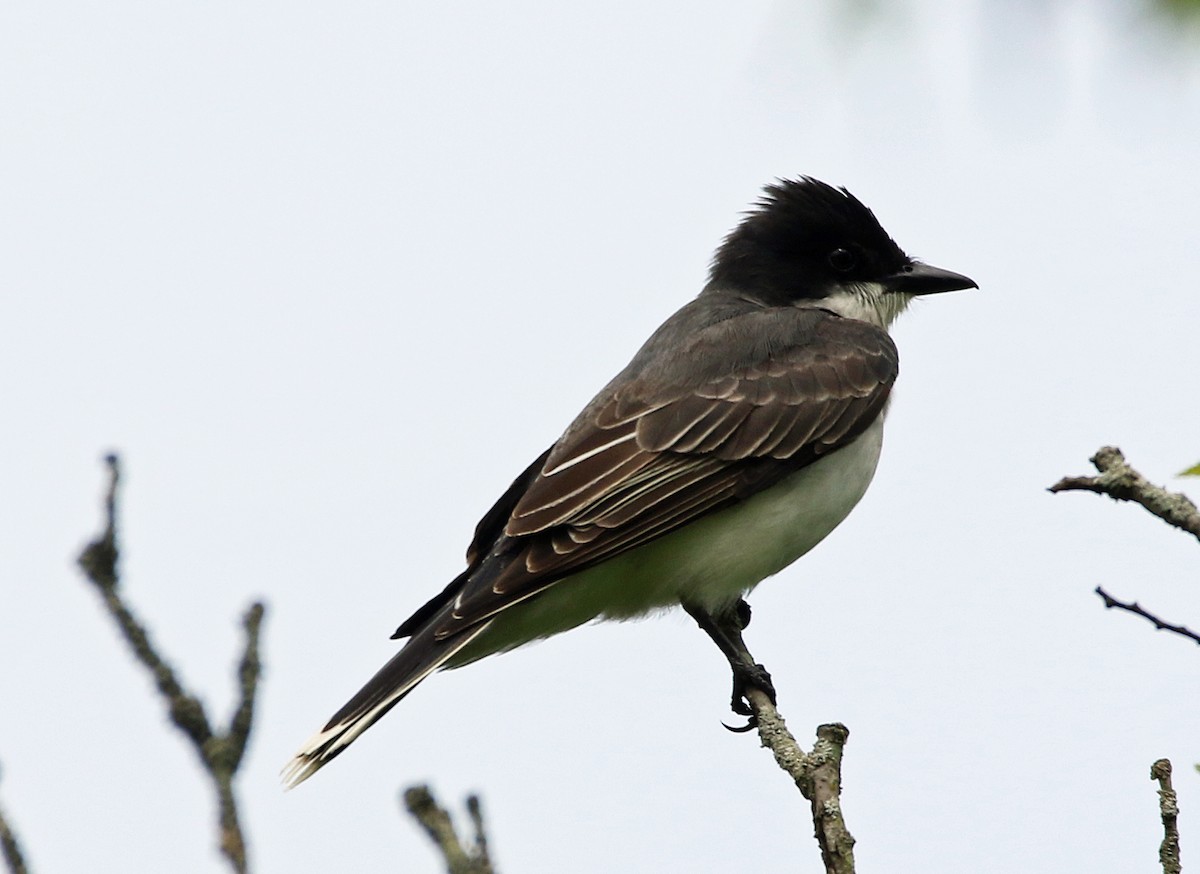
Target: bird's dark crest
[(789, 234)]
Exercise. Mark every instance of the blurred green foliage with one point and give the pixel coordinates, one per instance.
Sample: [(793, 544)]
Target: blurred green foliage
[(1177, 10)]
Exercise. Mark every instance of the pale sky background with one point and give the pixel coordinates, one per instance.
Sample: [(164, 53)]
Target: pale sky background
[(329, 275)]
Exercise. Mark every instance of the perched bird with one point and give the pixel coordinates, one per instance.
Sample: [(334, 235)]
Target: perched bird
[(743, 431)]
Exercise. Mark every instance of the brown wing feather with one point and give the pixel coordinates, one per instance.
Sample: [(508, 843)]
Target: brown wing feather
[(645, 461)]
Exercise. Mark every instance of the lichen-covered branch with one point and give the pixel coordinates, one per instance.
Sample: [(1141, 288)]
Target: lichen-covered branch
[(220, 752), (436, 822), (10, 847), (479, 832), (1122, 483), (1137, 610), (817, 774), (1168, 807)]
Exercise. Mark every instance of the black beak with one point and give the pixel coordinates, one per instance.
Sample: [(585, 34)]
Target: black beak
[(918, 278)]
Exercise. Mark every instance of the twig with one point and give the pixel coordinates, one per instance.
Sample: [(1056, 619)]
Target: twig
[(14, 859), (1135, 608), (1168, 806), (818, 774), (220, 752), (1122, 483), (436, 822), (475, 811)]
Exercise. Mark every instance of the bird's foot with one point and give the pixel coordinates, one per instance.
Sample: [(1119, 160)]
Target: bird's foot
[(725, 628), (747, 676), (741, 614)]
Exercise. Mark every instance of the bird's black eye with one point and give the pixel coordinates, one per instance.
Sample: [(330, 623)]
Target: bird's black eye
[(843, 260)]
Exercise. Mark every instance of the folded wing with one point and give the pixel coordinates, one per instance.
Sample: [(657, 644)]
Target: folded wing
[(746, 402), (660, 452)]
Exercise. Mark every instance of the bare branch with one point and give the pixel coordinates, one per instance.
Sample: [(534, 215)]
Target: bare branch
[(436, 822), (1168, 806), (818, 774), (1133, 607), (220, 752), (1122, 483), (475, 810), (14, 859)]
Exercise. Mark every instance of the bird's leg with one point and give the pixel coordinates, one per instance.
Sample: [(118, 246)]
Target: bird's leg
[(725, 628)]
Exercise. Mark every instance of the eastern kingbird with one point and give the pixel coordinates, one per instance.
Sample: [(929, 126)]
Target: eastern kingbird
[(741, 434)]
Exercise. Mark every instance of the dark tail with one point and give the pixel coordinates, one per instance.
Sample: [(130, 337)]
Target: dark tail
[(421, 656)]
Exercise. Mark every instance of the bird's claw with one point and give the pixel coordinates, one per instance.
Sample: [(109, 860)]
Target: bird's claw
[(751, 724), (745, 678)]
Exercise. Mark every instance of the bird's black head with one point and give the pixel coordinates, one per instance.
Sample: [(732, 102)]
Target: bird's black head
[(806, 240)]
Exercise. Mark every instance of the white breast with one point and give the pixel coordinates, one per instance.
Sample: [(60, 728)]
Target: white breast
[(711, 562), (721, 557)]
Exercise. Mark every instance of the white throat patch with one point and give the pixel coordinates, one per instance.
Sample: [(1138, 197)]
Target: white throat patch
[(865, 301)]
